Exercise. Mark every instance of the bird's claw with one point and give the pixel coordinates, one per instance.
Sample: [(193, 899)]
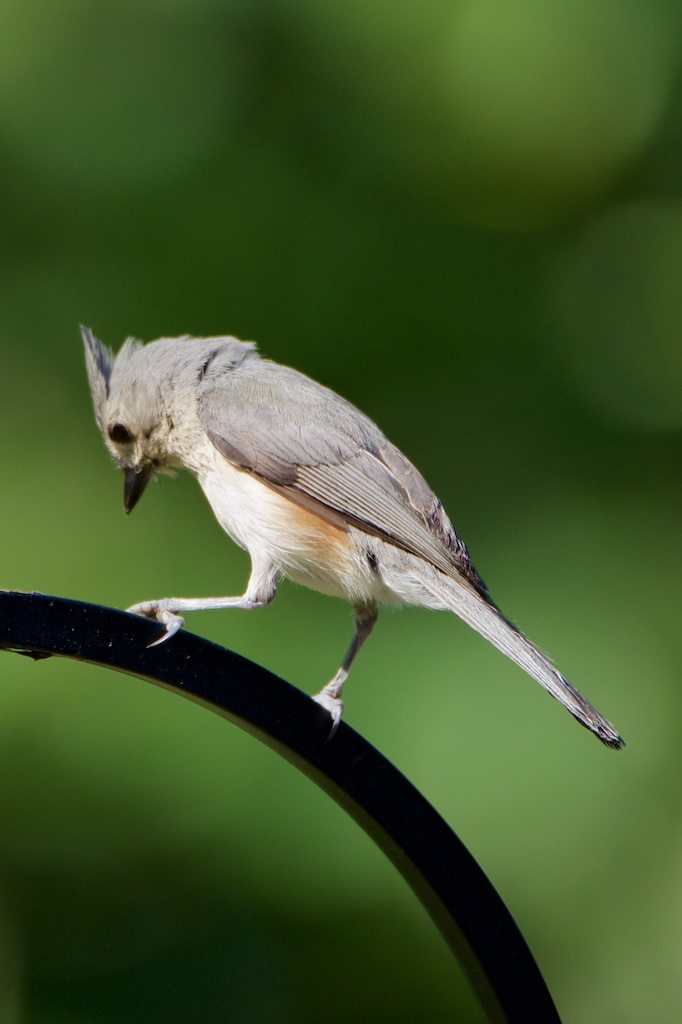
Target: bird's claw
[(161, 611), (331, 704)]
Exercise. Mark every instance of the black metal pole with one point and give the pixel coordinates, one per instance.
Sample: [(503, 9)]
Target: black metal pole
[(457, 894)]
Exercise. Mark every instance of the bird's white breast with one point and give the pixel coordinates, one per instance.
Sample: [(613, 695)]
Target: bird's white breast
[(298, 543)]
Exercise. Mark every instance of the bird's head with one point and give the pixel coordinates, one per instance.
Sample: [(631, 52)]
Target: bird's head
[(130, 412)]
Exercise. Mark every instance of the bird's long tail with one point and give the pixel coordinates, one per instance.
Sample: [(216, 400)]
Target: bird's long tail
[(483, 616)]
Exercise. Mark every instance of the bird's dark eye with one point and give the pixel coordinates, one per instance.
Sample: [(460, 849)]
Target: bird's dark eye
[(120, 434)]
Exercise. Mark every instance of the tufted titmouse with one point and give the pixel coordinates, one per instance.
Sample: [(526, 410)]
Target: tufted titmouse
[(307, 484)]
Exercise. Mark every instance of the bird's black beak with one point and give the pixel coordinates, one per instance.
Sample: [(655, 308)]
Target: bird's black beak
[(135, 481)]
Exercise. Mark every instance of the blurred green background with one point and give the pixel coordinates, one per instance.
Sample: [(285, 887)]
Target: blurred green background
[(467, 218)]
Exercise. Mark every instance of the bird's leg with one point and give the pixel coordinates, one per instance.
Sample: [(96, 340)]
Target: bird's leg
[(260, 591), (330, 696)]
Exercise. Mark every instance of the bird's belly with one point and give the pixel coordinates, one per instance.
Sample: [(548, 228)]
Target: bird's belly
[(300, 544)]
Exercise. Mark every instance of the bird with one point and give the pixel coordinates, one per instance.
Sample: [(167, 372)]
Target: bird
[(307, 484)]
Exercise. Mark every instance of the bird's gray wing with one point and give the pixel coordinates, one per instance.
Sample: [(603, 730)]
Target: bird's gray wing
[(311, 445)]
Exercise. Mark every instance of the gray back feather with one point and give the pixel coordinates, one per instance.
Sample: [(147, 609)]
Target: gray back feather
[(323, 453)]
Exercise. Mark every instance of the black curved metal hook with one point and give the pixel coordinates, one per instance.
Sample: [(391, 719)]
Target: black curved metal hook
[(455, 891)]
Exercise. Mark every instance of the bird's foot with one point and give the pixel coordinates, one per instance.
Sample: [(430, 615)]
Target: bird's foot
[(163, 611), (329, 699)]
